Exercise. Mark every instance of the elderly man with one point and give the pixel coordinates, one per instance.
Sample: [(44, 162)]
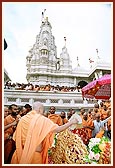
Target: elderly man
[(34, 136)]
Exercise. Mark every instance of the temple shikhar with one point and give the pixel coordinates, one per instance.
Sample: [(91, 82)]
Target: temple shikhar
[(44, 66)]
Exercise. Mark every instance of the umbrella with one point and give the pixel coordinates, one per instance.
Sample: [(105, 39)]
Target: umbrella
[(99, 88)]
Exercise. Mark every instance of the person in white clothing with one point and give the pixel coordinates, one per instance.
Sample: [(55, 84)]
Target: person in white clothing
[(98, 124)]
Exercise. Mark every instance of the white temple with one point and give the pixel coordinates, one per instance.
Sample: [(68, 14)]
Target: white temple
[(45, 67)]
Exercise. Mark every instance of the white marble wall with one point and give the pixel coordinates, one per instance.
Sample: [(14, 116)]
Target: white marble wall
[(60, 100)]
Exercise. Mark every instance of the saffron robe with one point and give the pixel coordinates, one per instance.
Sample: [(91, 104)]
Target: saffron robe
[(89, 123), (9, 144), (64, 120), (31, 130), (56, 119)]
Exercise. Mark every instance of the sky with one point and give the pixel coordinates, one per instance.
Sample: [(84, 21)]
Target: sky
[(86, 26)]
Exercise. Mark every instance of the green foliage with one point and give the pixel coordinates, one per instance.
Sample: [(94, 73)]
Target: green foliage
[(55, 139), (96, 149), (49, 152), (104, 139)]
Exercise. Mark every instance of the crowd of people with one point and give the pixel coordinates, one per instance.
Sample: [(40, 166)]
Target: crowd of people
[(48, 87), (29, 130)]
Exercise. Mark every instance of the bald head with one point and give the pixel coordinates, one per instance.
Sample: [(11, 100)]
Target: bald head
[(97, 116), (38, 107)]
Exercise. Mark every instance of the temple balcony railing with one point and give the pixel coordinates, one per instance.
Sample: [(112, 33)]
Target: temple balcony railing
[(61, 100)]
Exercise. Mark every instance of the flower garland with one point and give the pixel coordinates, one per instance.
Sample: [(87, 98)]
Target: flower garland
[(68, 148)]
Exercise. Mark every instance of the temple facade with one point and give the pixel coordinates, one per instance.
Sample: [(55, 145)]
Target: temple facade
[(45, 67)]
